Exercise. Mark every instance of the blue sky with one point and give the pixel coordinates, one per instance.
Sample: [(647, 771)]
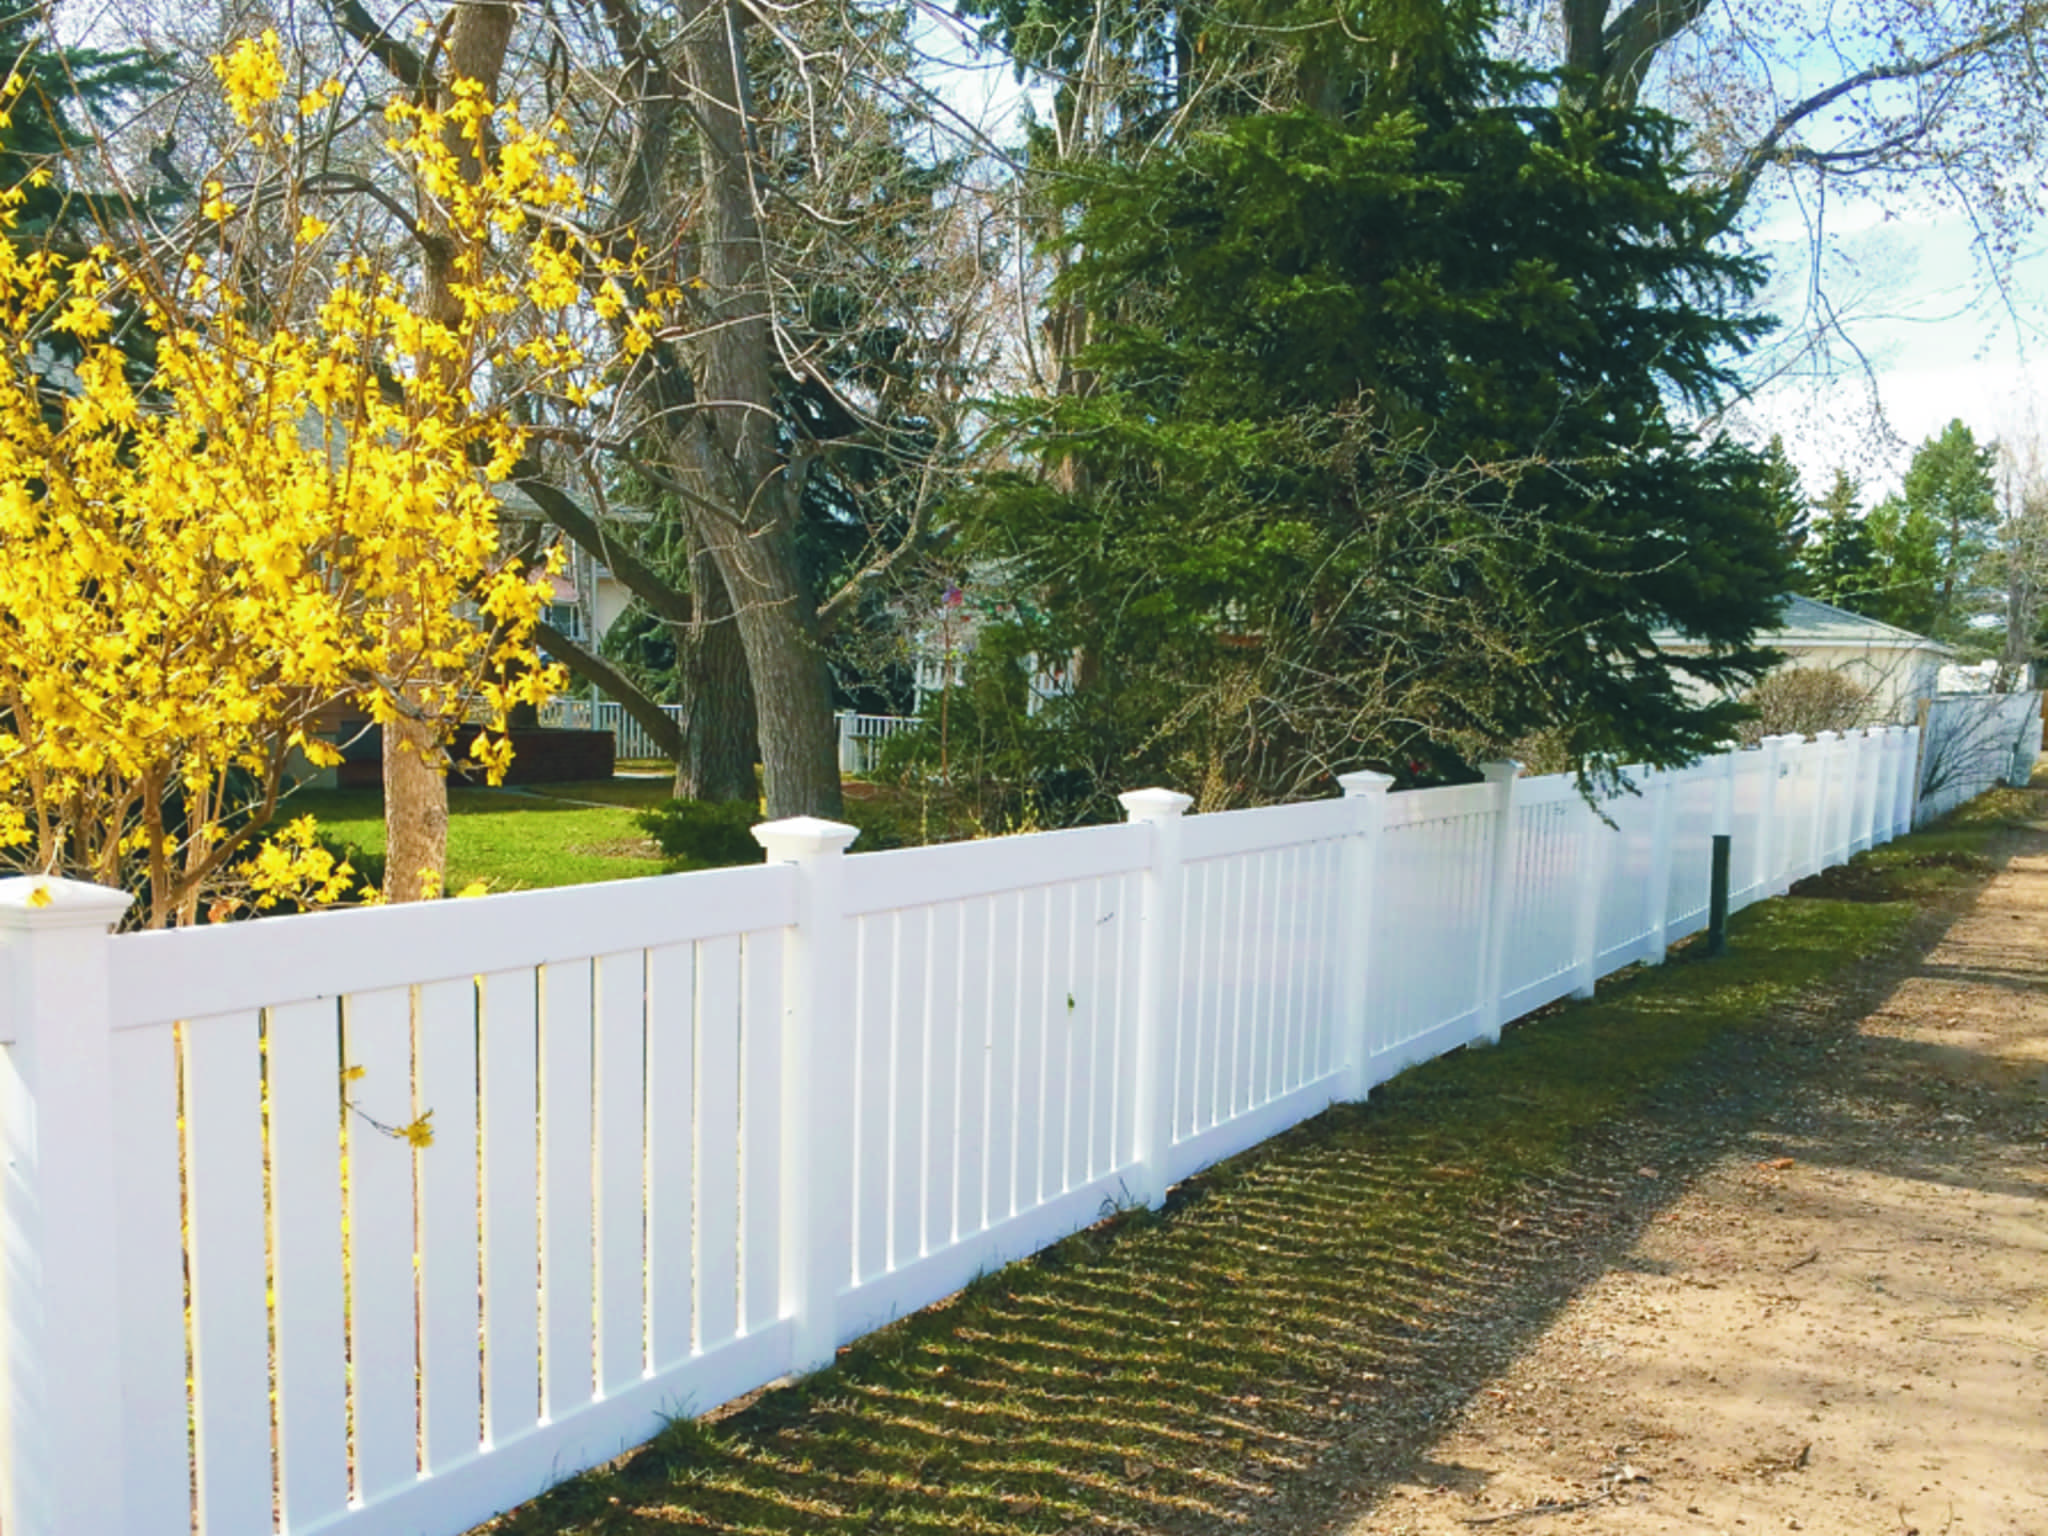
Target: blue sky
[(1923, 337)]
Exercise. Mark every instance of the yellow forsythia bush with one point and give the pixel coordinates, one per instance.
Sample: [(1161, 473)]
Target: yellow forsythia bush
[(288, 506)]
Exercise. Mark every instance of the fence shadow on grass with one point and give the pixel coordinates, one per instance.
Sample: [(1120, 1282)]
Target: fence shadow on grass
[(1284, 1338)]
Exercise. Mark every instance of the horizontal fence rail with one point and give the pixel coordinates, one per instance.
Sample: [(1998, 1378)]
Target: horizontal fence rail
[(383, 1220)]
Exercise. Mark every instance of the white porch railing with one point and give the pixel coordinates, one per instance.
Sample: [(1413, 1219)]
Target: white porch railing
[(862, 738), (691, 1133)]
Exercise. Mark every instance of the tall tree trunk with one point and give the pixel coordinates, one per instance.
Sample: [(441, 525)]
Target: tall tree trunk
[(415, 754), (755, 545), (718, 753), (718, 699)]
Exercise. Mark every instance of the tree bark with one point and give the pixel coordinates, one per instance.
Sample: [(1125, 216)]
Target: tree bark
[(754, 547), (415, 752), (719, 726)]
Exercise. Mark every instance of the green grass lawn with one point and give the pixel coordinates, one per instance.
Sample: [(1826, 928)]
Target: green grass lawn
[(1174, 1371), (515, 840)]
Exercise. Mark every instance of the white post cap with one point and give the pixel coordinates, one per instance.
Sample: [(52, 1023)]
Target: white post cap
[(1154, 804), (1365, 781), (795, 839), (1502, 772), (47, 901)]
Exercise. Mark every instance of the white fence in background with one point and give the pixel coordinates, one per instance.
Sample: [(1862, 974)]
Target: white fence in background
[(1971, 742), (691, 1133), (633, 742), (862, 738)]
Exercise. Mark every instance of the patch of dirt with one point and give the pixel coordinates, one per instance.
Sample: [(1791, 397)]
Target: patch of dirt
[(1825, 1307), (1863, 882), (620, 848)]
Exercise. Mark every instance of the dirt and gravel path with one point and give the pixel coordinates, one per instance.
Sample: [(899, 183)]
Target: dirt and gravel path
[(1829, 1309)]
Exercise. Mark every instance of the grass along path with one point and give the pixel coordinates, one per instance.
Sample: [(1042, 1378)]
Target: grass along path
[(1317, 1301)]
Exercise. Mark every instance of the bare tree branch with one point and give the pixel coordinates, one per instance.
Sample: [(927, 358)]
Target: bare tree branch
[(593, 668), (1771, 148)]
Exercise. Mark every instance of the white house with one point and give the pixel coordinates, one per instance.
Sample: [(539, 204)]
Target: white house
[(1895, 666)]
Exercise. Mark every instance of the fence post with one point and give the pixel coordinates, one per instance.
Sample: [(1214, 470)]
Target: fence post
[(1773, 749), (1870, 757), (1902, 781), (1158, 988), (1595, 852), (1851, 749), (1923, 719), (847, 745), (817, 1064), (1663, 805), (1852, 777), (1721, 872), (1366, 793), (61, 1456), (2027, 750), (1908, 778), (1493, 930)]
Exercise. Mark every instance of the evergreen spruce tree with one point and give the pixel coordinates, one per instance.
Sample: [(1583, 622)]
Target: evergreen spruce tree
[(1905, 579), (1949, 490), (1842, 567), (1789, 508), (48, 137), (1380, 456)]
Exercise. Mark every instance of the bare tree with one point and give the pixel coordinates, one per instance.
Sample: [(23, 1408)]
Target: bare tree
[(2023, 556)]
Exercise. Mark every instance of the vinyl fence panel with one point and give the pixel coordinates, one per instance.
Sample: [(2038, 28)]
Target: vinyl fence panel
[(448, 1201)]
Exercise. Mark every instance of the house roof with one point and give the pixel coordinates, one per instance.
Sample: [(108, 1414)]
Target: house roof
[(1809, 621)]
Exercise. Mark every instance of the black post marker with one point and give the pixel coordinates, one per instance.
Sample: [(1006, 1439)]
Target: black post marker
[(1717, 899)]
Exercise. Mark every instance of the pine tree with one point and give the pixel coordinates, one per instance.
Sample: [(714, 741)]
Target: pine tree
[(1381, 444), (1949, 487), (1789, 507), (1906, 575), (47, 132), (1842, 564)]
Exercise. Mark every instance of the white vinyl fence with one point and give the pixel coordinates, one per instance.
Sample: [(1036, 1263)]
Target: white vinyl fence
[(691, 1133), (633, 742), (1972, 741)]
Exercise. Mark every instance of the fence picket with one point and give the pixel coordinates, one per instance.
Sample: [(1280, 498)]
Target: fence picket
[(377, 1046), (1060, 1004), (671, 1112), (155, 1442), (909, 1097), (224, 1171), (977, 991), (718, 1142), (621, 1099), (761, 1148), (940, 1153), (566, 1269), (509, 1202), (304, 1058), (451, 1395)]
